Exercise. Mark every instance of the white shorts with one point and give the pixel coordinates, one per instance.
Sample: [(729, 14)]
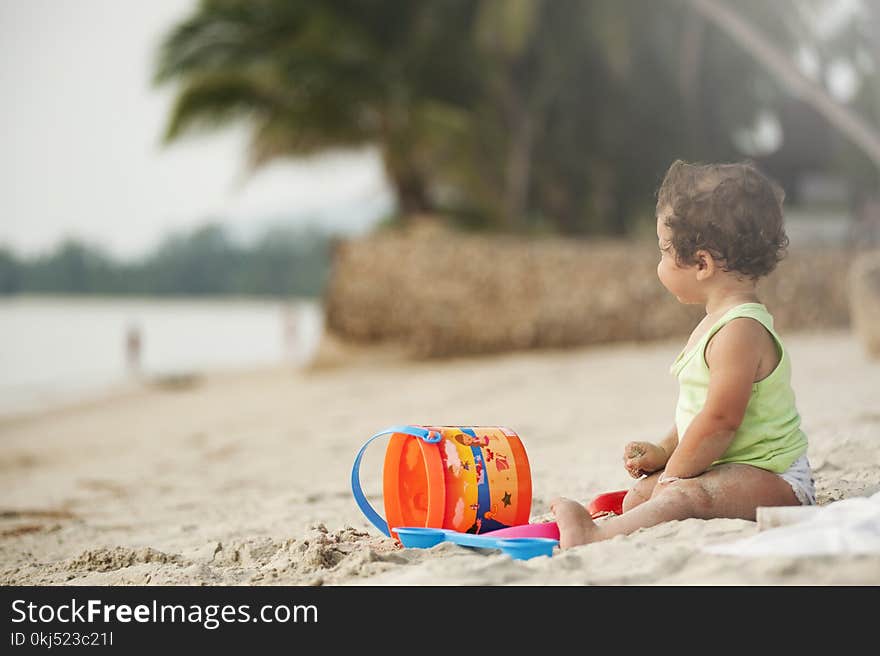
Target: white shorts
[(800, 477)]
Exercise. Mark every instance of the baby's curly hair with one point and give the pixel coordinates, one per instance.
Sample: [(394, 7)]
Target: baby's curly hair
[(733, 211)]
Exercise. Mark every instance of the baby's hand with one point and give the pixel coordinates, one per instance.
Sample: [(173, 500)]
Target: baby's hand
[(642, 458)]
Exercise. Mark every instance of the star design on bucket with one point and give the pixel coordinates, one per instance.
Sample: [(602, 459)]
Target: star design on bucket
[(506, 499)]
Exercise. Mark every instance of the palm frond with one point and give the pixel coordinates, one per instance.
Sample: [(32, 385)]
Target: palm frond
[(213, 101)]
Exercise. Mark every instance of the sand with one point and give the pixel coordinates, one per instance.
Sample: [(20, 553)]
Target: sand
[(243, 478)]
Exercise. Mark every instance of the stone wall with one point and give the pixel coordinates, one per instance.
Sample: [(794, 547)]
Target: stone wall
[(439, 293)]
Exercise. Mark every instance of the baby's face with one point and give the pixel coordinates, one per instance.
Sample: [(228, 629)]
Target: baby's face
[(679, 280)]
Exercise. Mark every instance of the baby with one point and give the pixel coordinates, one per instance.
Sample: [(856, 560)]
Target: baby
[(737, 442)]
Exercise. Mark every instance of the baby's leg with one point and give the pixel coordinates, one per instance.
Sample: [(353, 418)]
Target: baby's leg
[(641, 491), (730, 490)]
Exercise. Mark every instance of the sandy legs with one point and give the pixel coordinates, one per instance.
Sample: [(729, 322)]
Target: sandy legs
[(641, 491), (730, 490)]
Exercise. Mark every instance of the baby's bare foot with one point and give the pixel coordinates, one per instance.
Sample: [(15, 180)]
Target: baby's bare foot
[(575, 524)]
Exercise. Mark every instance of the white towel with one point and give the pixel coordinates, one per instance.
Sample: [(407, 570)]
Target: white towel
[(849, 526)]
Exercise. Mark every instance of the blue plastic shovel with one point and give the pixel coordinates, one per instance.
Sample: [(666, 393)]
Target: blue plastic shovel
[(419, 537)]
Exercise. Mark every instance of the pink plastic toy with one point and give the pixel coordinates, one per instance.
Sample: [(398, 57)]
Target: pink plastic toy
[(609, 503)]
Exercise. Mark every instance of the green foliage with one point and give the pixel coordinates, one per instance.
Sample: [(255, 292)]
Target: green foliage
[(73, 267), (503, 114), (283, 262), (201, 262), (10, 279)]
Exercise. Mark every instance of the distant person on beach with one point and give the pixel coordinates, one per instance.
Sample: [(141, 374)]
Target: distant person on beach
[(133, 349), (291, 332), (736, 443)]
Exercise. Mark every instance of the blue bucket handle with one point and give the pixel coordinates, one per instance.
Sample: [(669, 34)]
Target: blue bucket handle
[(429, 436)]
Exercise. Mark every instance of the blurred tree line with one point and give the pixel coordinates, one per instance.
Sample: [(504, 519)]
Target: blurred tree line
[(530, 115), (205, 261)]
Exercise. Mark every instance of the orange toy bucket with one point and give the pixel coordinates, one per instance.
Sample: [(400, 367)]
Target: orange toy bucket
[(470, 479)]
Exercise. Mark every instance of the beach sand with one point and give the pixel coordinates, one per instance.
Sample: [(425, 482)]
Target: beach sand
[(243, 479)]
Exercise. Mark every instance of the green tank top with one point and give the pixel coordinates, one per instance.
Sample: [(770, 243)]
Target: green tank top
[(769, 436)]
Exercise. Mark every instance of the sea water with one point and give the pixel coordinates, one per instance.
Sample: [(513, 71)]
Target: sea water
[(58, 349)]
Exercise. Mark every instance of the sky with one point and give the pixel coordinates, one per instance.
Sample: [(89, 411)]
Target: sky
[(80, 141)]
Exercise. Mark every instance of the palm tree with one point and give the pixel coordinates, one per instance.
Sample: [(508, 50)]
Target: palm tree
[(503, 112), (310, 76)]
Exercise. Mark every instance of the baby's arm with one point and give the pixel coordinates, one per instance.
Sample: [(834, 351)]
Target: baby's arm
[(669, 442), (733, 363)]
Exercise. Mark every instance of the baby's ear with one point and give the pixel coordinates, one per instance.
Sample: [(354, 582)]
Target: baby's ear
[(706, 264)]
